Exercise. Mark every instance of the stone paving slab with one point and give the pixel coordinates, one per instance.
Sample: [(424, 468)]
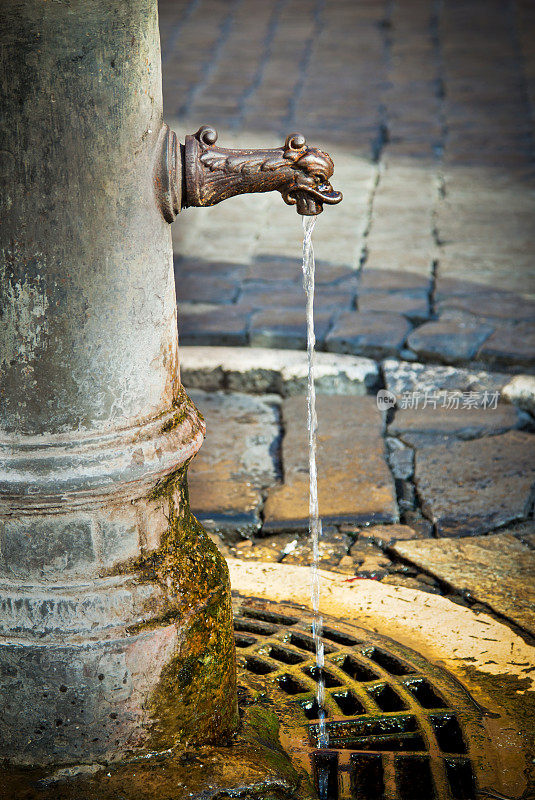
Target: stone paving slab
[(354, 482), (413, 305), (472, 487), (285, 327), (510, 346), (498, 570), (369, 333), (404, 376), (450, 341), (501, 306), (203, 324), (464, 423), (235, 464), (284, 372)]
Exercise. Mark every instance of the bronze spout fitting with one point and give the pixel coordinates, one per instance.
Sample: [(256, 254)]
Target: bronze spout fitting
[(199, 173)]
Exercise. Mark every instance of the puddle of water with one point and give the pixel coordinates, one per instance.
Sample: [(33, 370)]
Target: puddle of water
[(314, 519)]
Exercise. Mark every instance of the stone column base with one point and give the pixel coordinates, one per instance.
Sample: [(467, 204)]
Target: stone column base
[(115, 619)]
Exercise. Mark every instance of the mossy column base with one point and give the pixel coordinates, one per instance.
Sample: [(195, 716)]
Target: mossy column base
[(115, 622), (113, 660)]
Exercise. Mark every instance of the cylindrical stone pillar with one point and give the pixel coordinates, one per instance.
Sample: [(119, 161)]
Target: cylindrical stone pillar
[(116, 630)]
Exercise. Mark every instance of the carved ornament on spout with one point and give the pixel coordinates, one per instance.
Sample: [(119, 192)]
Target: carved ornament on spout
[(200, 173)]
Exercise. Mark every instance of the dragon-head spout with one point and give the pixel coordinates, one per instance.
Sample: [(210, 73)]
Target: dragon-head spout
[(311, 186), (200, 173)]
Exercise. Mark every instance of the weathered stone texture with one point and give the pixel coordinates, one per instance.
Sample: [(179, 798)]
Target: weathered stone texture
[(368, 333), (473, 487), (285, 372), (497, 570), (354, 481), (235, 464), (450, 341), (466, 423), (521, 392), (402, 376)]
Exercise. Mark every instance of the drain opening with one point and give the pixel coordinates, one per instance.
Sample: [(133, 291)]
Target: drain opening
[(328, 678), (357, 671), (269, 616), (385, 733), (325, 773), (367, 776), (388, 662), (448, 733), (289, 685), (348, 703), (461, 778), (308, 644), (312, 709), (414, 779), (339, 637), (257, 666), (244, 641), (249, 626), (386, 698), (424, 693), (285, 656)]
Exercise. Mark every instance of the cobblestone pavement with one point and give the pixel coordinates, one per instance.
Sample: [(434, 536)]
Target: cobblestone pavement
[(425, 494), (427, 108), (425, 287)]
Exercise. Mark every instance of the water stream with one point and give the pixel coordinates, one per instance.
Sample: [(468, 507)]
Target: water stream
[(314, 518)]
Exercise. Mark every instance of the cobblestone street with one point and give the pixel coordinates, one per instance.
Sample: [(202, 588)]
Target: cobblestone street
[(425, 288)]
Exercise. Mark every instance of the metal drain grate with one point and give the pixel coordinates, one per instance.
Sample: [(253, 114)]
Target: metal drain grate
[(399, 727)]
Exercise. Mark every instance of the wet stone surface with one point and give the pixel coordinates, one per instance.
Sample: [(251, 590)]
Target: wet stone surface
[(473, 487), (227, 477), (354, 482), (498, 570)]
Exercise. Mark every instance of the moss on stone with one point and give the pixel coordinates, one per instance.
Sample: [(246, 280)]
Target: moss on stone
[(195, 700)]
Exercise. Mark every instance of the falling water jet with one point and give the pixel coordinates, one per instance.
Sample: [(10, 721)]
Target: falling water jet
[(315, 527)]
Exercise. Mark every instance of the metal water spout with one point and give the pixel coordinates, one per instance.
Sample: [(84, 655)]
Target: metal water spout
[(200, 173), (116, 630)]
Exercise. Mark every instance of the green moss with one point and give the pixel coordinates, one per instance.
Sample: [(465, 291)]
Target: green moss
[(195, 700), (185, 409)]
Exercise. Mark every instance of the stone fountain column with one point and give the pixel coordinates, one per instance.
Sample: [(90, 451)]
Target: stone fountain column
[(116, 628)]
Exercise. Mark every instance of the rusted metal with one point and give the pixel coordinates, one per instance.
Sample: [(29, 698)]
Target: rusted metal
[(399, 726), (207, 174)]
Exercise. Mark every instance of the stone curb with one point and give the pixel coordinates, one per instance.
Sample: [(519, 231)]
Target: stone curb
[(262, 370)]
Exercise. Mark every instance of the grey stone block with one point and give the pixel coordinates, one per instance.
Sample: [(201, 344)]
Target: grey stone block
[(449, 341), (51, 545), (368, 333), (225, 325), (286, 328)]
